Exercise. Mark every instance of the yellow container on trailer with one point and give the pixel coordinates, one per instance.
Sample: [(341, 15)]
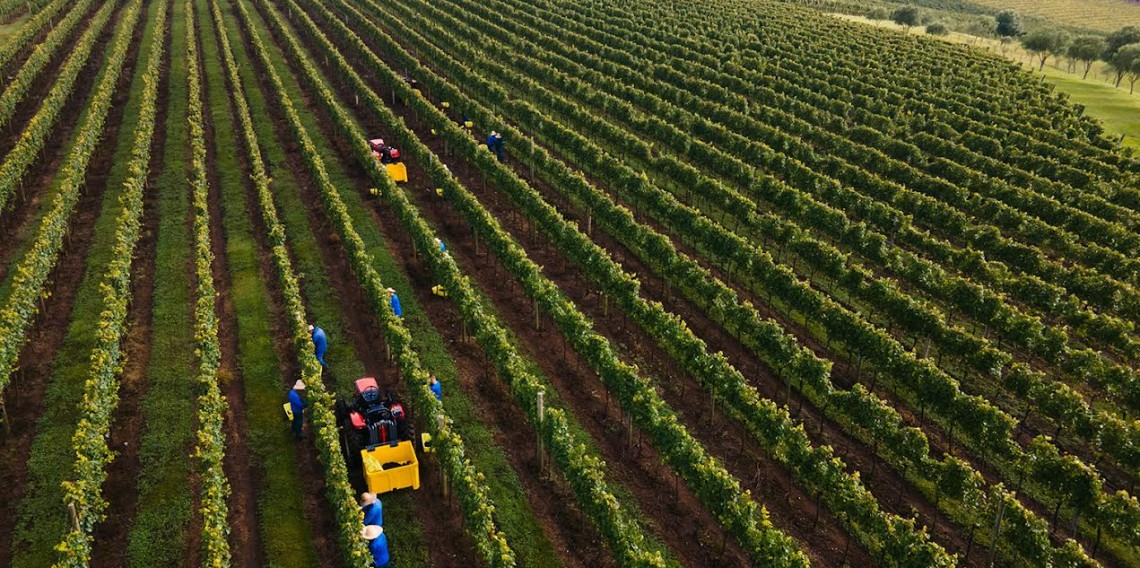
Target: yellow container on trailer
[(398, 172), (403, 467)]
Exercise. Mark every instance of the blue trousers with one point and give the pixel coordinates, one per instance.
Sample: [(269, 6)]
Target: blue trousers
[(298, 421)]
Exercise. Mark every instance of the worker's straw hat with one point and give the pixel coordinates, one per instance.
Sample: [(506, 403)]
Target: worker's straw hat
[(299, 385), (391, 291), (310, 327), (370, 532), (367, 498)]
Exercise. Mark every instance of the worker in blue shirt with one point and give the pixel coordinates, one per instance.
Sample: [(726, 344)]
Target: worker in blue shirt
[(320, 343), (373, 509), (435, 387), (495, 144), (377, 545), (395, 301), (297, 405), (439, 243)]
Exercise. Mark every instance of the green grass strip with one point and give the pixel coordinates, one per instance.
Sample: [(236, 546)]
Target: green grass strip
[(158, 537)]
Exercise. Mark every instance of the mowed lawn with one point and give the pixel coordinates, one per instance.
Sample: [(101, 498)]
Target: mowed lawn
[(9, 29), (1119, 110)]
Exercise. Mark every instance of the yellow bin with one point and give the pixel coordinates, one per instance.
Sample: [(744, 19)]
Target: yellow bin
[(398, 172), (405, 474)]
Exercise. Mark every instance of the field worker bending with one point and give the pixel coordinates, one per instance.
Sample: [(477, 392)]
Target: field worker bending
[(297, 405), (320, 343), (373, 509), (439, 243), (435, 387), (377, 545), (394, 300), (495, 144)]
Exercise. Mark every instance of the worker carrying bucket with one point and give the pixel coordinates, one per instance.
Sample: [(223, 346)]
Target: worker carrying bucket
[(295, 408)]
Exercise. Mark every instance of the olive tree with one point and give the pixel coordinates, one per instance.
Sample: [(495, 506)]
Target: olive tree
[(937, 29), (907, 16), (1087, 49), (1008, 24), (1045, 44), (1126, 63), (1114, 43)]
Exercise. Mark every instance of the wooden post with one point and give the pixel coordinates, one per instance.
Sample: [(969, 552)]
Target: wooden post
[(439, 428), (541, 418), (996, 537), (537, 316), (74, 516)]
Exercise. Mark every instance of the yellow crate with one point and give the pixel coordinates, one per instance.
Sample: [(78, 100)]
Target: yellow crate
[(398, 172), (382, 480)]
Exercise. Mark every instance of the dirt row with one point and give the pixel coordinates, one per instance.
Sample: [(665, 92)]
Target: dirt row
[(23, 399)]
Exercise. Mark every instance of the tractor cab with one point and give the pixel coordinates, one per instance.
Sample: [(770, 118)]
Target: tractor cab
[(389, 157), (376, 434)]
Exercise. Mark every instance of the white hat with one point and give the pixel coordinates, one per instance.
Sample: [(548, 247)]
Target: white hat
[(310, 327), (299, 385), (367, 498), (370, 532), (391, 290)]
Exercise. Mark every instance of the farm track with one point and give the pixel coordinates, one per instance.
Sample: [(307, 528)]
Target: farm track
[(32, 393), (110, 538), (18, 220), (567, 527)]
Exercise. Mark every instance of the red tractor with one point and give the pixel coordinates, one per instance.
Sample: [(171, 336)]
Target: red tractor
[(376, 433), (389, 157)]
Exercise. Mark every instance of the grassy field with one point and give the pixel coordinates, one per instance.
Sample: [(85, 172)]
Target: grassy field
[(7, 30), (1116, 107), (1106, 15)]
